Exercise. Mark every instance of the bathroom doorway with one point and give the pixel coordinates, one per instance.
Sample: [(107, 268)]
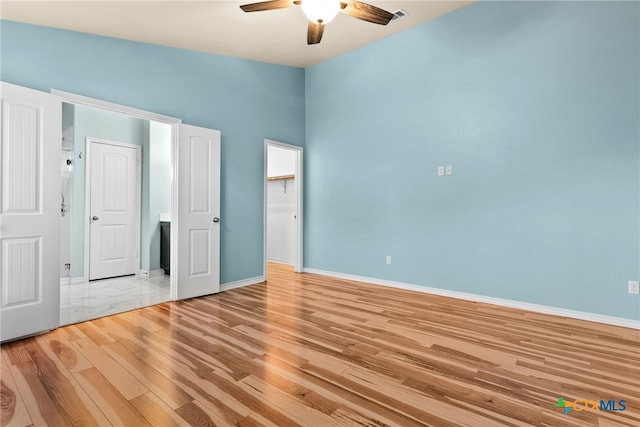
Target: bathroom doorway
[(89, 261)]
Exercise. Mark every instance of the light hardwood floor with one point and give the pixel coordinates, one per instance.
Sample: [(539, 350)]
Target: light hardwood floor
[(307, 350)]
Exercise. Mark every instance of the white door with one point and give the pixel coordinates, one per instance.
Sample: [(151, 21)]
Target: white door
[(30, 212), (198, 212), (114, 208)]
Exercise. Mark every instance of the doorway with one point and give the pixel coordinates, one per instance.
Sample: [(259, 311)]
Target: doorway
[(283, 195), (37, 200), (116, 194)]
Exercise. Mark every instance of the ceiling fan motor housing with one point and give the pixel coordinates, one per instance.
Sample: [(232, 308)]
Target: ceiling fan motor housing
[(321, 12)]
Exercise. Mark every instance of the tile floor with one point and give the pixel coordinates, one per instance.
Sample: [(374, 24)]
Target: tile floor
[(80, 302)]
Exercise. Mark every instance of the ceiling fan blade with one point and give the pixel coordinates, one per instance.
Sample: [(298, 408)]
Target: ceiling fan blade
[(366, 12), (267, 5), (314, 33)]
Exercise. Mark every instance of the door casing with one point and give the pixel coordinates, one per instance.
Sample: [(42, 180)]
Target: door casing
[(175, 123)]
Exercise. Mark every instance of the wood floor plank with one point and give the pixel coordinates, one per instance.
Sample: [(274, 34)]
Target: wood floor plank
[(57, 395), (93, 330), (308, 350), (157, 412), (12, 409), (211, 399), (169, 392), (195, 415), (116, 374), (230, 388), (41, 406), (114, 405), (58, 356), (340, 395), (24, 393), (287, 404)]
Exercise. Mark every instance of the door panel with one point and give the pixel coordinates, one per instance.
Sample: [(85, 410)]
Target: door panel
[(114, 213), (199, 207), (199, 248), (22, 281), (200, 175), (29, 220)]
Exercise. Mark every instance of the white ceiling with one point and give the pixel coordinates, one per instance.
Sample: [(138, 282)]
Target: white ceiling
[(220, 26)]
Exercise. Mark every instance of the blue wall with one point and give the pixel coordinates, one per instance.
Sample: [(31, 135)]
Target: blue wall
[(536, 107), (247, 101)]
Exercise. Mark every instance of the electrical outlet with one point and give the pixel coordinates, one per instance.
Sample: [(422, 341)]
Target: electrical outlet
[(634, 287), (440, 170), (448, 170), (388, 259)]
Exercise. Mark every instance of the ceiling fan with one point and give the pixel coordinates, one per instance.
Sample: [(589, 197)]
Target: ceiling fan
[(321, 12)]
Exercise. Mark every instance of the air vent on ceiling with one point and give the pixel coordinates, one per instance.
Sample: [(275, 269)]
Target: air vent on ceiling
[(399, 14)]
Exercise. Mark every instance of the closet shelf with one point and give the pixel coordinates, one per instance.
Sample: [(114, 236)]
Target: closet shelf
[(280, 178)]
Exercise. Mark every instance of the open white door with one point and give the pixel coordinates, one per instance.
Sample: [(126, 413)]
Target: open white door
[(30, 212), (198, 212)]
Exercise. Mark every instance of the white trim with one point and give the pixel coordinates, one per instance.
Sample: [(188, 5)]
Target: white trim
[(242, 283), (281, 261), (299, 256), (538, 308), (72, 98), (72, 281), (77, 281), (173, 248), (152, 273), (87, 199)]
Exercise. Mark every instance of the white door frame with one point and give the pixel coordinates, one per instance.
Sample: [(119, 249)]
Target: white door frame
[(87, 199), (72, 98), (299, 258)]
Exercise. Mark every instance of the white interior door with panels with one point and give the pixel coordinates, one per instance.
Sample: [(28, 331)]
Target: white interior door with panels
[(114, 176), (198, 212), (30, 213)]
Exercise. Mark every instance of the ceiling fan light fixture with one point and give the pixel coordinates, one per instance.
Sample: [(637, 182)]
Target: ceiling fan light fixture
[(320, 11)]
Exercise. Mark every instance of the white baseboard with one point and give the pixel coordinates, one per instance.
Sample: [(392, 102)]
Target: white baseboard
[(71, 281), (241, 283), (538, 308), (152, 273), (280, 261)]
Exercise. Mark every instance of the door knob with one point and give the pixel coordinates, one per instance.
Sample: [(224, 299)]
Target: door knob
[(216, 219), (95, 218)]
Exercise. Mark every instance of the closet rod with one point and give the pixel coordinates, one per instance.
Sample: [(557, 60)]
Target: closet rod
[(280, 178)]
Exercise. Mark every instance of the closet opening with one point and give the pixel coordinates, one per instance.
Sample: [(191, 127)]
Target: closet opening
[(283, 223)]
